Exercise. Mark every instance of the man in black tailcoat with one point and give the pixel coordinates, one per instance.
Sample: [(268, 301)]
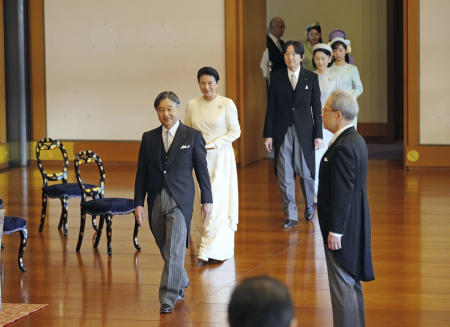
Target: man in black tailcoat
[(343, 211)]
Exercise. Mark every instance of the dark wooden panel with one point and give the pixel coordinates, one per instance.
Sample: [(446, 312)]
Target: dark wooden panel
[(37, 70), (2, 80), (255, 85)]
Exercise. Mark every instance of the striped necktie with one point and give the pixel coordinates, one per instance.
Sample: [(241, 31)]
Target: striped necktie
[(293, 81)]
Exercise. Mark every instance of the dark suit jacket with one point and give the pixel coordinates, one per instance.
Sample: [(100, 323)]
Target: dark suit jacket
[(300, 107), (342, 204), (186, 152), (275, 56)]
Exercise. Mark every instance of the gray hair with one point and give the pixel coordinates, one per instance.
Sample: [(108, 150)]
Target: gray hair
[(344, 102)]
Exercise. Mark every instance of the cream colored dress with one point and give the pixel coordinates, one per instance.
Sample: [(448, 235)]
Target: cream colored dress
[(218, 122), (328, 83)]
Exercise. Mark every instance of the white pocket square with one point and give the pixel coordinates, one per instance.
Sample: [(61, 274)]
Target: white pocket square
[(185, 147), (325, 159), (306, 87)]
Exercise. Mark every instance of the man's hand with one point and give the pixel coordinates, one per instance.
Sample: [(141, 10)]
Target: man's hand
[(318, 143), (139, 214), (334, 242), (207, 211), (268, 143)]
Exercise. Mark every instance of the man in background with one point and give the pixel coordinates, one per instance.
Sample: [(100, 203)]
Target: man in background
[(272, 59), (293, 130)]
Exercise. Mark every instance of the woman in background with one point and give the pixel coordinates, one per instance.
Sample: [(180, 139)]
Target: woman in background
[(322, 60), (217, 118), (313, 37), (340, 33), (347, 74)]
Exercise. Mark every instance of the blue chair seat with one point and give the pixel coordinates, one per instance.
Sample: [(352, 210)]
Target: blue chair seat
[(13, 224), (16, 224), (112, 206), (71, 190)]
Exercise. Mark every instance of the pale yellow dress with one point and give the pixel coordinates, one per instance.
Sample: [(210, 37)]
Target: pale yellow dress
[(218, 122)]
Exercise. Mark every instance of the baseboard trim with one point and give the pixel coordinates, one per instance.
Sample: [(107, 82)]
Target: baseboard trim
[(111, 151), (376, 132)]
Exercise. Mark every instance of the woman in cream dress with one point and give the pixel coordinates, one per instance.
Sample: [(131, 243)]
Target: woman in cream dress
[(322, 60), (216, 117)]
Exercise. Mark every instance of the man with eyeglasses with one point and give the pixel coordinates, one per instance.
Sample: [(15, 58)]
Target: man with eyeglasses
[(343, 211), (293, 130)]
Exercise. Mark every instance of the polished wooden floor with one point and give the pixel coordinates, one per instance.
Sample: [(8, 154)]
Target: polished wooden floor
[(411, 253)]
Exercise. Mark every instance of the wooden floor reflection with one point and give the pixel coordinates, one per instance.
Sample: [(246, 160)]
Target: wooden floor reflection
[(411, 246)]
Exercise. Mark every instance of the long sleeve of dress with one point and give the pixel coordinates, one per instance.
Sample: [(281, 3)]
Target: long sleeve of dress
[(233, 127), (187, 116), (264, 64), (356, 83)]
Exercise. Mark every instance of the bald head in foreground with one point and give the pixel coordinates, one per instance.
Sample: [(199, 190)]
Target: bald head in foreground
[(260, 301)]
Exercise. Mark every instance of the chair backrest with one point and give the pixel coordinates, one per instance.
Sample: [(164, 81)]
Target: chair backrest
[(50, 144), (84, 157)]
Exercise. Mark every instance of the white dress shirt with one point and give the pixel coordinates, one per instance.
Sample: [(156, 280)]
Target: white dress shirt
[(169, 134), (276, 41), (339, 132), (264, 64)]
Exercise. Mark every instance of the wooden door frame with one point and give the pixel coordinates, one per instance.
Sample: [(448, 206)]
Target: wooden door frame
[(415, 154)]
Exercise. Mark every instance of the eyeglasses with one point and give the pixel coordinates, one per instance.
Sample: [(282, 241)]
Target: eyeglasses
[(324, 109)]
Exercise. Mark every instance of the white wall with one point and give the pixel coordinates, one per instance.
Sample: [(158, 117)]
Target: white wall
[(106, 60), (434, 71), (365, 25)]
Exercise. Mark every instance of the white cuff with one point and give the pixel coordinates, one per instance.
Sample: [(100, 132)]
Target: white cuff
[(335, 234)]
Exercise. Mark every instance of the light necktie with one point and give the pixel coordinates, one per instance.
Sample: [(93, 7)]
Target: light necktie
[(278, 44), (293, 81), (166, 140)]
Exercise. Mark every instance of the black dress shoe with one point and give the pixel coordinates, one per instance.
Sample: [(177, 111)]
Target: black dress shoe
[(180, 295), (288, 223), (166, 308), (309, 213), (214, 262)]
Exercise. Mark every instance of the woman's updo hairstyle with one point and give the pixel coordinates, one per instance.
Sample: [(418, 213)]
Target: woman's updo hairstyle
[(208, 71)]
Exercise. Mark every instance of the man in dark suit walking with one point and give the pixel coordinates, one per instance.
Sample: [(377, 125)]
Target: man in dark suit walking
[(164, 174), (343, 211), (293, 128), (272, 59)]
